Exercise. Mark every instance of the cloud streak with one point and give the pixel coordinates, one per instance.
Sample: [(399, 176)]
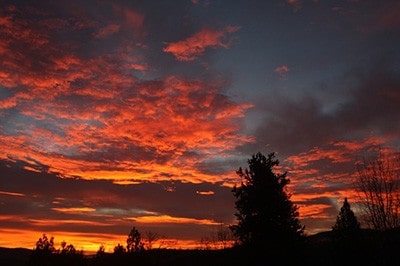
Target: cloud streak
[(194, 46)]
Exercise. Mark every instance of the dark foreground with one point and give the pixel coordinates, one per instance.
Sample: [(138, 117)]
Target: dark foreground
[(321, 249)]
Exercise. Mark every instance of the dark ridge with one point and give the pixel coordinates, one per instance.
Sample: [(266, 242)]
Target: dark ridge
[(14, 256)]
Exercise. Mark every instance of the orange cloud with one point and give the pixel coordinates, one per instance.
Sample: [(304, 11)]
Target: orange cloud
[(315, 211), (74, 210), (205, 193), (195, 46), (156, 118), (336, 152), (165, 219)]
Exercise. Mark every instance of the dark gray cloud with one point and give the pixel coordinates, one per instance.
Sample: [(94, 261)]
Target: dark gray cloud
[(297, 125)]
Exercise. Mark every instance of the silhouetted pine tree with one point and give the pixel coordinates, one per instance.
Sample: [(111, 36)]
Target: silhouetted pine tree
[(346, 221), (347, 238), (266, 215)]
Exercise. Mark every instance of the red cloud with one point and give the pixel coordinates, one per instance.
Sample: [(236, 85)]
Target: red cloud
[(282, 71), (131, 20), (296, 4), (107, 31), (90, 117), (194, 46), (134, 19)]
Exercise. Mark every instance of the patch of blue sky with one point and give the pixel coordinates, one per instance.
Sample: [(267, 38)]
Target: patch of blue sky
[(5, 93)]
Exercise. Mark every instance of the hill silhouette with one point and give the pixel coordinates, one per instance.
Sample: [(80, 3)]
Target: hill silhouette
[(14, 256)]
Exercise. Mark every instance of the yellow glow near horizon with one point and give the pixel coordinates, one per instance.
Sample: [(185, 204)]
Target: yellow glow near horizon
[(88, 243)]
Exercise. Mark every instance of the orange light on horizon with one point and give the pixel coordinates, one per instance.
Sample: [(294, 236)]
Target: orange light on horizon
[(89, 243)]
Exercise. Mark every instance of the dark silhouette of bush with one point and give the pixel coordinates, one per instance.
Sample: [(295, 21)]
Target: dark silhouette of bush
[(101, 251), (266, 215), (119, 249), (46, 254), (67, 249), (43, 251)]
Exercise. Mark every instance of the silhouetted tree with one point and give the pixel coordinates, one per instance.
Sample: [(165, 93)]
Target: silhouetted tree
[(101, 251), (223, 237), (346, 221), (347, 237), (43, 251), (378, 183), (266, 215), (45, 245), (67, 249), (151, 237), (45, 254), (220, 238), (119, 249), (134, 242)]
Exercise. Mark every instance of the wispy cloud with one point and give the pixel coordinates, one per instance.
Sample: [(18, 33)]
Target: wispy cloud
[(282, 71), (196, 45), (8, 193), (107, 31), (170, 219), (296, 4)]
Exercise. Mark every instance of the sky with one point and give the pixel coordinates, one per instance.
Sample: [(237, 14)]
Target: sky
[(116, 114)]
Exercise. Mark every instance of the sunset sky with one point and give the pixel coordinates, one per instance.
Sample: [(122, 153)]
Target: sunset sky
[(116, 114)]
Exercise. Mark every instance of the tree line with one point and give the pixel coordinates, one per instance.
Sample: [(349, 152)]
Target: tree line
[(268, 220)]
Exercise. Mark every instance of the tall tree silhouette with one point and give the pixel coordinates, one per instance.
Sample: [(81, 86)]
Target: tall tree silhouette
[(266, 215), (346, 221), (134, 242)]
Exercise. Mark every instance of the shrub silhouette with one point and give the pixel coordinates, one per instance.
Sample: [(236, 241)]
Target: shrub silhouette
[(45, 254), (119, 249)]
